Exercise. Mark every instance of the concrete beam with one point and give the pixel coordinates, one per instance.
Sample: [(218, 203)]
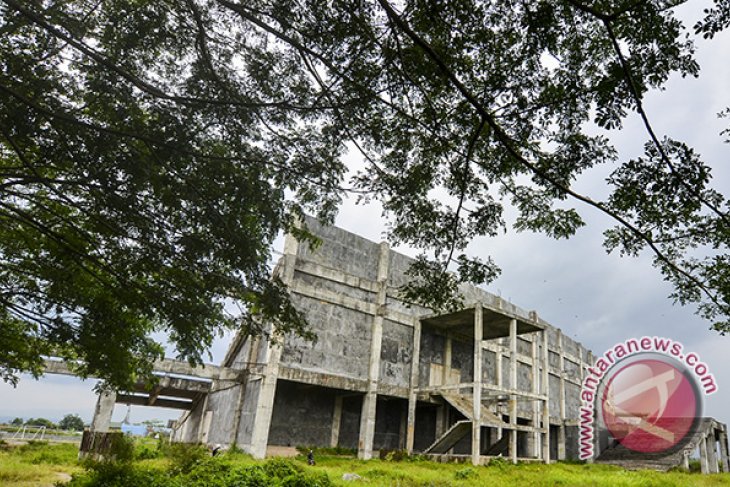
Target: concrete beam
[(164, 366), (136, 400)]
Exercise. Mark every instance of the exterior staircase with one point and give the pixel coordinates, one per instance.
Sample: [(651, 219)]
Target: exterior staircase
[(452, 436), (465, 405)]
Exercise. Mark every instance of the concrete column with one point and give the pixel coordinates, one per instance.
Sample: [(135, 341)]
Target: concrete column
[(272, 354), (685, 460), (546, 403), (704, 464), (442, 423), (369, 404), (205, 418), (712, 452), (535, 449), (500, 384), (513, 386), (410, 433), (447, 360), (561, 428), (476, 425), (103, 412), (724, 460), (336, 420), (403, 428)]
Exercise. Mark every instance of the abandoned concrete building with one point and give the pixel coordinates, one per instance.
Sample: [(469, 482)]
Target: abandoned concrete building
[(383, 375), (488, 380)]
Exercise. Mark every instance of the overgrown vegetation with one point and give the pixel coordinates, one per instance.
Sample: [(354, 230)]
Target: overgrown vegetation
[(158, 464)]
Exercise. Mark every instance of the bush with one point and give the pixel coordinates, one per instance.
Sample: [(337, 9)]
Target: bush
[(280, 468), (110, 474), (465, 473), (499, 462), (307, 479), (146, 452), (253, 476), (393, 455), (184, 456)]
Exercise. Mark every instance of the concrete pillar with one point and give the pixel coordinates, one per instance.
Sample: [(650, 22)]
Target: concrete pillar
[(535, 447), (476, 425), (410, 433), (447, 360), (205, 418), (103, 412), (724, 460), (336, 420), (513, 386), (546, 403), (500, 384), (561, 367), (369, 403), (704, 464), (685, 460), (442, 423), (272, 354), (712, 452), (403, 428)]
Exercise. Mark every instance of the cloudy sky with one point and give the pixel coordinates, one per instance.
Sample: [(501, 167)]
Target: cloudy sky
[(596, 298)]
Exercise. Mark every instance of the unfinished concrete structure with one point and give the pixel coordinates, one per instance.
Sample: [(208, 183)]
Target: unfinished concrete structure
[(490, 379), (384, 375)]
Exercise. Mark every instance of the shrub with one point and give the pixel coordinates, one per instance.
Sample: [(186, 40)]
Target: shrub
[(307, 479), (184, 456), (280, 468), (145, 452), (499, 462), (465, 473), (393, 455), (253, 476)]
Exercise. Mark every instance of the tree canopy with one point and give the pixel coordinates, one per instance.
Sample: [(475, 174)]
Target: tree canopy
[(150, 151), (71, 422)]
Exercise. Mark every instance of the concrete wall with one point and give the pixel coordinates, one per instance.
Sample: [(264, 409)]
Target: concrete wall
[(302, 415), (343, 340)]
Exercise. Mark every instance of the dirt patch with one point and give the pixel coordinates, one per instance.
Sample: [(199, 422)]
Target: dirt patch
[(281, 451)]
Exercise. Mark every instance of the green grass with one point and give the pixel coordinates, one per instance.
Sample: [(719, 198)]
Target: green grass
[(425, 473), (37, 463), (155, 464)]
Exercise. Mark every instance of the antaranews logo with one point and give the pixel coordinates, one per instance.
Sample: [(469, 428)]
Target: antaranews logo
[(646, 393)]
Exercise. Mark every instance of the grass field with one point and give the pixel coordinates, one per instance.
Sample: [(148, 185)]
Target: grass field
[(150, 465)]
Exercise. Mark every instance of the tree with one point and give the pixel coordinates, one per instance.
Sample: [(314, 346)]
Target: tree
[(40, 422), (71, 422), (17, 422), (152, 151)]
